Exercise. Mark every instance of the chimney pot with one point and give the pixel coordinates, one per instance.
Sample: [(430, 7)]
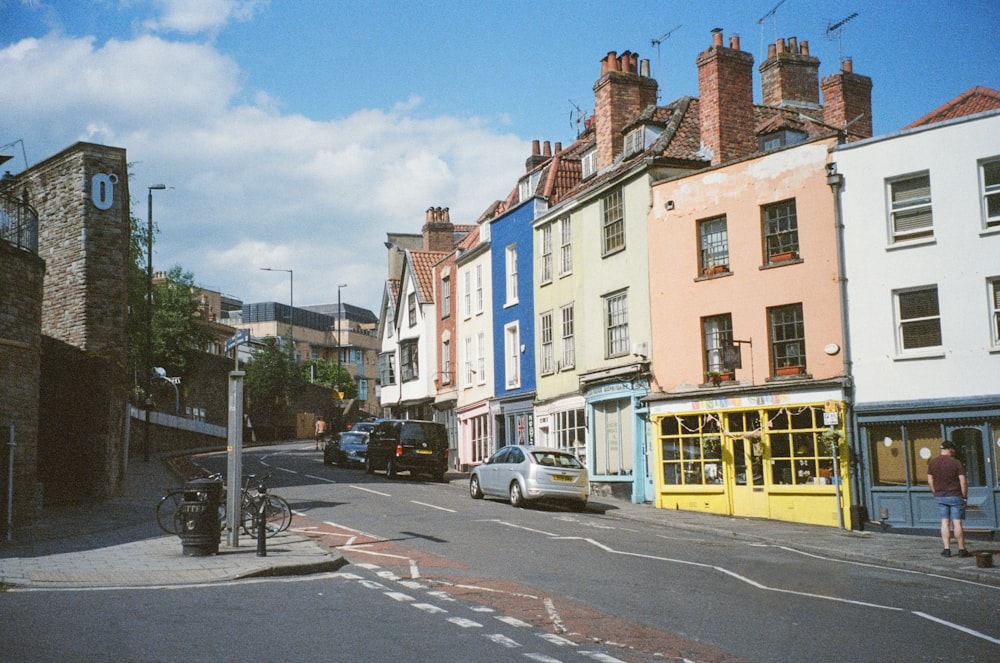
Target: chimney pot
[(558, 147), (644, 68), (793, 44), (717, 37), (546, 149), (634, 62), (771, 51), (847, 65), (805, 47), (613, 63), (781, 45), (734, 42), (534, 148)]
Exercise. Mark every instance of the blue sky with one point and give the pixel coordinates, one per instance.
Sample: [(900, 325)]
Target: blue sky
[(297, 133)]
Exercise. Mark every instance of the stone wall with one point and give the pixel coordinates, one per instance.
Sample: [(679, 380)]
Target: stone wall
[(21, 277)]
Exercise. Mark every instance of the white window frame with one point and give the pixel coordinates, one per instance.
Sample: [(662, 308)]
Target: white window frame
[(588, 164), (445, 361), (713, 245), (903, 208), (634, 141), (510, 256), (467, 378), (512, 355), (990, 191), (902, 323), (567, 331), (411, 309), (993, 291), (546, 361), (481, 357), (445, 296), (479, 288), (616, 343), (467, 294), (545, 268), (565, 246), (409, 360), (612, 222)]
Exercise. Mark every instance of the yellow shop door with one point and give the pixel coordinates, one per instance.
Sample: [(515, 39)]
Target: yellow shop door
[(747, 496)]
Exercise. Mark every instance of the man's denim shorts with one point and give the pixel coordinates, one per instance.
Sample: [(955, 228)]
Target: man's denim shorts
[(951, 507)]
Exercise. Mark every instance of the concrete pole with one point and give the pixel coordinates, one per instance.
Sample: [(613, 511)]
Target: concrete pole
[(234, 477)]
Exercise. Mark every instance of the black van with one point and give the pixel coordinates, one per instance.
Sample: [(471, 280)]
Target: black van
[(407, 445)]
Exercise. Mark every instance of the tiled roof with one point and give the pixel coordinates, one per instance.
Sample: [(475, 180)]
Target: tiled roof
[(976, 100), (423, 271), (769, 119), (471, 240)]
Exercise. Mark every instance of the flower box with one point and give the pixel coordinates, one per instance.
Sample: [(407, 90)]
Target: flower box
[(783, 257), (785, 371)]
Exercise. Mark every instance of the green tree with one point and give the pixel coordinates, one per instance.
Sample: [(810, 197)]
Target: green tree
[(331, 374), (272, 381)]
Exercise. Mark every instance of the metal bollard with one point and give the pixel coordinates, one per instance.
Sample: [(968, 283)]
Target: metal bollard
[(261, 531)]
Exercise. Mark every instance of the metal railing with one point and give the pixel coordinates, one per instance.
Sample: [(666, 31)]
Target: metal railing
[(18, 222)]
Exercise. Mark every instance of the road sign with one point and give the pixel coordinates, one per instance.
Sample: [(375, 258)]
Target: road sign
[(241, 336)]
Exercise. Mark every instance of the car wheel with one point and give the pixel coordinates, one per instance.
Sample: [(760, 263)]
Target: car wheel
[(390, 469), (516, 497), (368, 466), (439, 477), (475, 491)]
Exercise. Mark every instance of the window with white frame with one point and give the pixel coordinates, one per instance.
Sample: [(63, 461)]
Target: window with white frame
[(588, 164), (511, 263), (467, 294), (408, 369), (481, 358), (713, 237), (781, 232), (445, 296), (445, 361), (616, 324), (512, 355), (411, 308), (910, 208), (479, 288), (990, 171), (567, 350), (994, 290), (546, 358), (390, 319), (918, 318), (569, 430), (634, 141), (467, 357), (613, 222), (387, 368), (545, 268), (565, 247), (717, 334)]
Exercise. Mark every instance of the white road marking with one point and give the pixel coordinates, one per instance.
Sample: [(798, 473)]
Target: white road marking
[(399, 596), (428, 607), (557, 640), (369, 490), (464, 623), (550, 607), (501, 639), (432, 506), (542, 658), (957, 627), (513, 621), (285, 469), (601, 656), (313, 476)]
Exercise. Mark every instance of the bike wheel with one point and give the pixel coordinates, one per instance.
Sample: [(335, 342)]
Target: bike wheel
[(168, 513), (277, 516)]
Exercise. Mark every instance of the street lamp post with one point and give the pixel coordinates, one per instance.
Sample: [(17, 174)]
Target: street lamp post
[(291, 307), (340, 314), (149, 315)]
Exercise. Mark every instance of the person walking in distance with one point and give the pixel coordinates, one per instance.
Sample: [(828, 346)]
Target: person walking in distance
[(320, 429), (946, 479)]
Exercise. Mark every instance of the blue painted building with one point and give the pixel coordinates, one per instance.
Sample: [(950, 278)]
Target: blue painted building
[(513, 325)]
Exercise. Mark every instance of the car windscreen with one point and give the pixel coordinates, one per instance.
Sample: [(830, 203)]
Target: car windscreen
[(354, 438), (556, 459)]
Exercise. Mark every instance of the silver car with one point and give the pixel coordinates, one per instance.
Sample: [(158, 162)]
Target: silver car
[(526, 474)]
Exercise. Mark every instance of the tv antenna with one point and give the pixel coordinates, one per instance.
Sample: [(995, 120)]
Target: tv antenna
[(659, 66), (836, 30), (774, 23), (576, 117)]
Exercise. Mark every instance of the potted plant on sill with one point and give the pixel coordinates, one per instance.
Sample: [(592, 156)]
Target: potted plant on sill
[(787, 369), (715, 269), (784, 256)]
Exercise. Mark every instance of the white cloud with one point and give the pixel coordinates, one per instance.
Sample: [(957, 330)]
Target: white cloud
[(251, 186), (198, 16)]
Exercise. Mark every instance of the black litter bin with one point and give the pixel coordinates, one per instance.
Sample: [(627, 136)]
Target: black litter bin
[(200, 526)]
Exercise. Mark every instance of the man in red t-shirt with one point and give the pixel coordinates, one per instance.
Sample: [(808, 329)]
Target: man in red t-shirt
[(946, 478)]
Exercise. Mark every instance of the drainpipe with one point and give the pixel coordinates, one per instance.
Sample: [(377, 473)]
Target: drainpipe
[(10, 485), (836, 183)]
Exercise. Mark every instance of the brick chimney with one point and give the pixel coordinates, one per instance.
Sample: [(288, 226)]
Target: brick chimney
[(438, 231), (538, 155), (847, 101), (620, 95), (790, 76), (725, 88)]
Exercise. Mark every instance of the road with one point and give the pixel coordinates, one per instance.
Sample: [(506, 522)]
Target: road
[(647, 587)]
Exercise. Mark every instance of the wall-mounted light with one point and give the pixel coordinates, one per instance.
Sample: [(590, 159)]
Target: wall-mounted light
[(831, 349)]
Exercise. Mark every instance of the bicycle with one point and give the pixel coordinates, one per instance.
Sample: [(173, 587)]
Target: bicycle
[(278, 514)]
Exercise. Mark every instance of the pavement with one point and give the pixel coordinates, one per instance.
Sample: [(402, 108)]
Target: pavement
[(117, 543)]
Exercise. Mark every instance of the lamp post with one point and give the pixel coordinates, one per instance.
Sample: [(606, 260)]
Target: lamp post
[(340, 314), (149, 315), (291, 307)]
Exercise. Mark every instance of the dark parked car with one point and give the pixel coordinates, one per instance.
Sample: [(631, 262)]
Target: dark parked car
[(350, 447), (407, 445), (524, 474)]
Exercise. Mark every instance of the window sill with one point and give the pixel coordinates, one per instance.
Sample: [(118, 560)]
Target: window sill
[(993, 229), (935, 353), (789, 378), (911, 243), (709, 277), (781, 263)]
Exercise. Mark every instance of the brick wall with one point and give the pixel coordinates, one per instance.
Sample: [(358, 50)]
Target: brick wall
[(790, 76), (847, 100), (725, 89), (620, 95)]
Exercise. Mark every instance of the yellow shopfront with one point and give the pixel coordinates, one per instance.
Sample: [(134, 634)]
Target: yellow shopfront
[(780, 462)]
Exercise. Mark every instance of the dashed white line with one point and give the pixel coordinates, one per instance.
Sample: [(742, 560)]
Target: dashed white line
[(464, 623), (432, 506), (400, 596), (957, 627), (369, 490), (430, 608), (326, 479), (501, 639), (512, 621), (557, 640)]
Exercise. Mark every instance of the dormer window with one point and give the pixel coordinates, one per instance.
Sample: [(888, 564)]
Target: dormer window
[(589, 164), (779, 139), (633, 141), (526, 187)]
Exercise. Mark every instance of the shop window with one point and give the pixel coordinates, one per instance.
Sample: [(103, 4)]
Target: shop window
[(613, 438), (800, 455), (923, 442), (692, 450), (748, 449), (570, 432)]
